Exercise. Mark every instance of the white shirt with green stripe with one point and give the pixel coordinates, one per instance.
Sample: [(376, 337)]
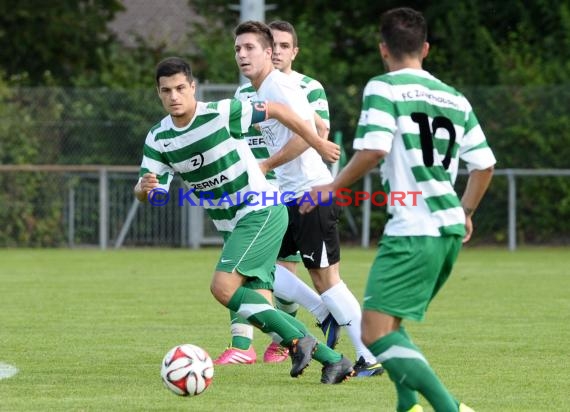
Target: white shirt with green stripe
[(308, 169), (213, 159), (425, 126), (315, 93)]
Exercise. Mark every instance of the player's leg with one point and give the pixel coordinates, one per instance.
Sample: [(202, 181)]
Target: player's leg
[(400, 285), (290, 292), (244, 278), (244, 274), (407, 398), (288, 287), (288, 331), (336, 368), (240, 351), (284, 270), (316, 235), (285, 274)]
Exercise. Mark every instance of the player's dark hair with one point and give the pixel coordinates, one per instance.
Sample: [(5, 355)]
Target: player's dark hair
[(171, 66), (285, 26), (258, 28), (404, 31)]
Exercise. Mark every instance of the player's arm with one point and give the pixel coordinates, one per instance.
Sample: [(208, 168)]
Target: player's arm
[(292, 149), (322, 128), (360, 164), (477, 185), (328, 150)]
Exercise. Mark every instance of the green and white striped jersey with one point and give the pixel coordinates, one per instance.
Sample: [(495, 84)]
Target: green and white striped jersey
[(315, 95), (213, 160), (425, 126)]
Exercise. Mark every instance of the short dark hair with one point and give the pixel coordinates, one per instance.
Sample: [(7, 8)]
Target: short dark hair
[(285, 26), (171, 66), (404, 30), (258, 28)]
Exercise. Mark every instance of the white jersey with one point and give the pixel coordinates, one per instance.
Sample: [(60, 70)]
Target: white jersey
[(316, 96), (425, 126), (254, 137), (308, 169)]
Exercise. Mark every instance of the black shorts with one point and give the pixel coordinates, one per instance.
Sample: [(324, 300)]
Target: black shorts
[(314, 234)]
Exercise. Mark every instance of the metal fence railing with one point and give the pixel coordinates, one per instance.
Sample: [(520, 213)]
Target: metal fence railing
[(510, 174), (93, 205)]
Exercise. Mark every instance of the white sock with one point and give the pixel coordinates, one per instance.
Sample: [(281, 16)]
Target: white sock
[(288, 286), (241, 329), (346, 310)]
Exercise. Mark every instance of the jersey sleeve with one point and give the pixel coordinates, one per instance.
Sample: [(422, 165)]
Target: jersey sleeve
[(317, 98), (243, 114), (474, 150), (153, 161), (377, 121)]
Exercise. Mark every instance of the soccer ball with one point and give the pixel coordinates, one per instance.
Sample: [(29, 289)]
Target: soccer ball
[(187, 370)]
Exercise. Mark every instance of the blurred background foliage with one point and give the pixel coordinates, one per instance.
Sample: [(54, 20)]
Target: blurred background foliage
[(75, 94)]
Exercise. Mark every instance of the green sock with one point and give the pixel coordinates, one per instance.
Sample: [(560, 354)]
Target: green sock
[(290, 308), (323, 354), (240, 342), (259, 312), (407, 366), (407, 397)]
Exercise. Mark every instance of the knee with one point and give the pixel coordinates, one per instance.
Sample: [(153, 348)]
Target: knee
[(325, 278), (376, 325), (219, 292), (368, 338)]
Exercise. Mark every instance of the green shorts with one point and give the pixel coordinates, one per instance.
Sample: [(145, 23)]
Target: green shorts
[(407, 273), (252, 248)]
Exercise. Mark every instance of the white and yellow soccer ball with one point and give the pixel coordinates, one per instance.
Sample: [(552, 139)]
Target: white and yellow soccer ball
[(187, 370)]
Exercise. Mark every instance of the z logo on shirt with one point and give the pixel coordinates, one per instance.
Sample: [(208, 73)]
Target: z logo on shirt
[(194, 162)]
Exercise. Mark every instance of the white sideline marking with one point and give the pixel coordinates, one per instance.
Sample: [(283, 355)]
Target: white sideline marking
[(7, 371)]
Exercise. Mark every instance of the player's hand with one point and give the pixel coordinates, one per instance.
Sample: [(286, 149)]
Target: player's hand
[(468, 229), (145, 185), (329, 151), (318, 194), (149, 181)]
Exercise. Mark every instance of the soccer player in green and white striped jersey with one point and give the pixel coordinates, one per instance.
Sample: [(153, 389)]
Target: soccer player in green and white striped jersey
[(418, 128), (203, 143)]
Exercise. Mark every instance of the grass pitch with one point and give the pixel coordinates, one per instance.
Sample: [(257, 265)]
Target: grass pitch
[(87, 330)]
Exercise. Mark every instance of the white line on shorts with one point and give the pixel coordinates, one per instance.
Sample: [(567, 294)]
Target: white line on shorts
[(7, 371)]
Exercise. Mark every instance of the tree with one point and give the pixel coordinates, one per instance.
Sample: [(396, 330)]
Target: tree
[(57, 38)]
